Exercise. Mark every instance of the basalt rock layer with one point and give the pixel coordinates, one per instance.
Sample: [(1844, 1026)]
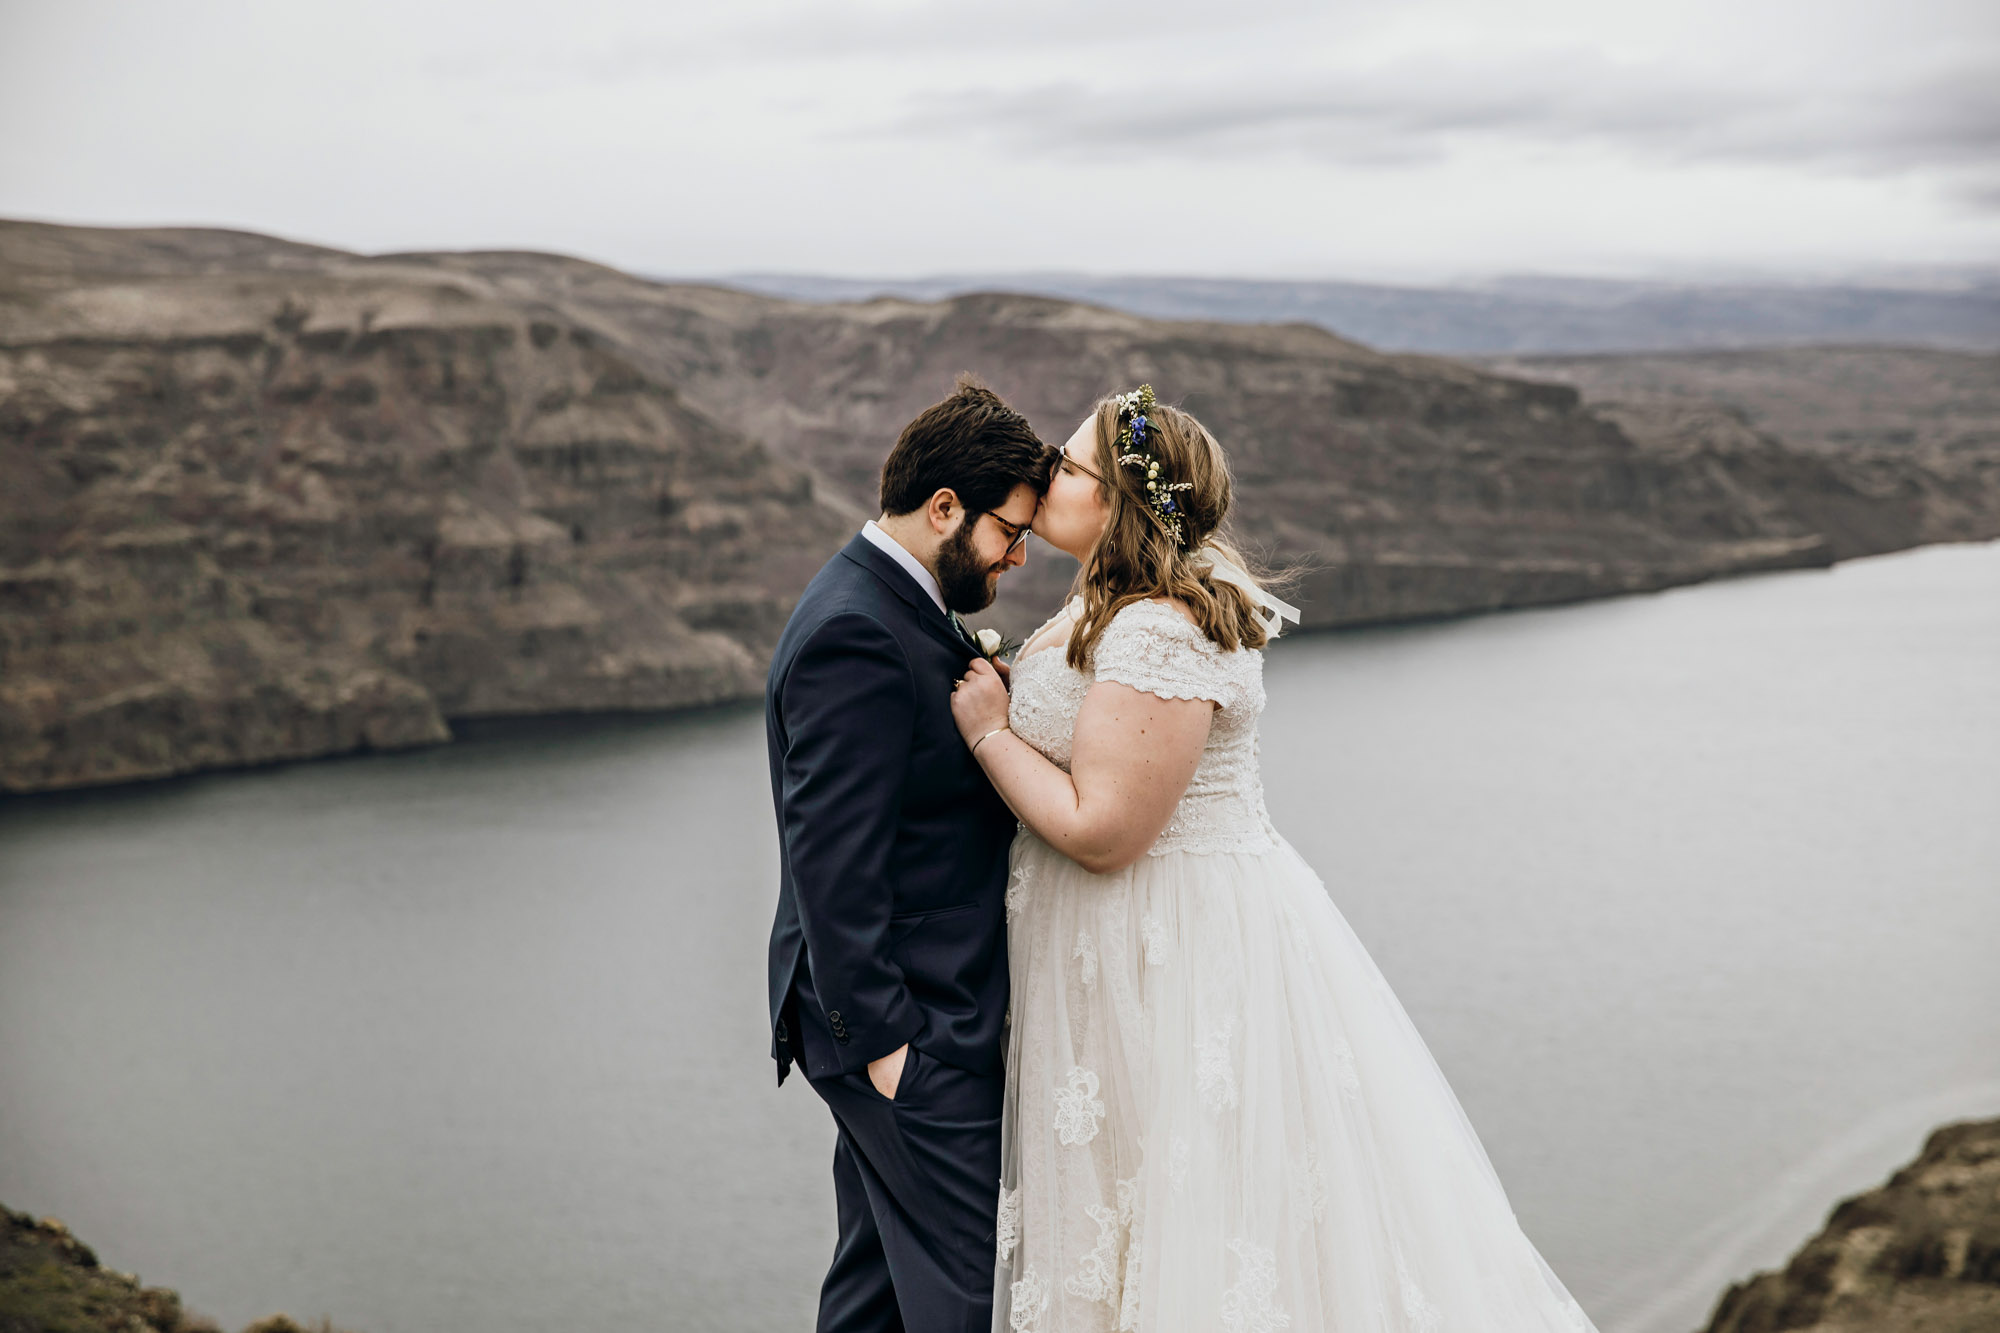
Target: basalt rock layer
[(273, 512), (261, 500), (1913, 431), (1919, 1255)]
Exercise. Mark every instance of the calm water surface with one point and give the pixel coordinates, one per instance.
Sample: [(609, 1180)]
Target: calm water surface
[(1695, 896)]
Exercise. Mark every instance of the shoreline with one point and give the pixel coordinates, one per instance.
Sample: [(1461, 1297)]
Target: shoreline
[(491, 724)]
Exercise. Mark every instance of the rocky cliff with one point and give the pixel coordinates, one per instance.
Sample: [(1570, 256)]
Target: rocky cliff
[(304, 505), (1409, 486), (1913, 429), (1919, 1255), (261, 500)]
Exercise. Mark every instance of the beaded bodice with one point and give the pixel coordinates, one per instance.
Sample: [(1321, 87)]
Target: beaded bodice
[(1150, 646)]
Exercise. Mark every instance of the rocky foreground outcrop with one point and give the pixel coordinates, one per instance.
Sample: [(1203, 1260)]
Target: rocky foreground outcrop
[(51, 1282), (1919, 1255), (261, 500)]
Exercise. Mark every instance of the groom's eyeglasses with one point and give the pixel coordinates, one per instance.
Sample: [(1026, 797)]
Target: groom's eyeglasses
[(1016, 533)]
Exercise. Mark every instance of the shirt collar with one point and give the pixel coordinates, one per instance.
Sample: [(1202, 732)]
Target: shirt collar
[(912, 566)]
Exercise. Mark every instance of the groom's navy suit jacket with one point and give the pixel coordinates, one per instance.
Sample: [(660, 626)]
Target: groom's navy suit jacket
[(891, 924)]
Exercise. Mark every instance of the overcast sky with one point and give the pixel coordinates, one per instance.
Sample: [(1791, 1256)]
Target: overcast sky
[(1392, 139)]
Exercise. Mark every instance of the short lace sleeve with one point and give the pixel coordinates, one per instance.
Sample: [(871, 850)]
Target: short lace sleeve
[(1152, 647)]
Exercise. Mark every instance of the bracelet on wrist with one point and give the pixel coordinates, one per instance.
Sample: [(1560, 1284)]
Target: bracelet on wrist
[(987, 737)]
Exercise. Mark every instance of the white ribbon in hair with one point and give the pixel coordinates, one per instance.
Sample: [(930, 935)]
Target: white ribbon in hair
[(1269, 609)]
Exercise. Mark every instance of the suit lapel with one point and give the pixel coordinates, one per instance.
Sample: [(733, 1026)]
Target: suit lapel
[(864, 553), (958, 628)]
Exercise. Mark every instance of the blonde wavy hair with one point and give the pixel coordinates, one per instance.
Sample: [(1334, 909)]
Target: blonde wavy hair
[(1136, 557)]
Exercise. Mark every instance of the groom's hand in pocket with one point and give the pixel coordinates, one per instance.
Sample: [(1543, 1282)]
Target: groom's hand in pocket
[(887, 1072)]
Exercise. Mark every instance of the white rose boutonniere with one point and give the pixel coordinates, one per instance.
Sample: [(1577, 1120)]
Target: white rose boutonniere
[(990, 643)]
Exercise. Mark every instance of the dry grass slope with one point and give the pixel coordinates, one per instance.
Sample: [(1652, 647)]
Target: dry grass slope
[(1919, 1255), (50, 1282)]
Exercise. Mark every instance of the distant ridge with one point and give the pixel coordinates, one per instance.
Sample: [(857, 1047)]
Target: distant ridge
[(1523, 315)]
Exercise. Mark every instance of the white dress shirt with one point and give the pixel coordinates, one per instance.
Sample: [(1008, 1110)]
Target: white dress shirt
[(895, 551)]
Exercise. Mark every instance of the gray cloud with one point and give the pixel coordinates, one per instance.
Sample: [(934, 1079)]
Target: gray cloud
[(667, 44), (1416, 112), (679, 137), (1981, 195)]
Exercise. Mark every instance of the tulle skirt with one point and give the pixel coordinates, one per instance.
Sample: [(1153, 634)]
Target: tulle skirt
[(1219, 1117)]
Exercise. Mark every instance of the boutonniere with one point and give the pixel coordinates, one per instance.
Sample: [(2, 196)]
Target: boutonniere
[(992, 645)]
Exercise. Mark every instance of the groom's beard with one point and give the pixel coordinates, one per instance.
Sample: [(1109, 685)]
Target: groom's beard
[(967, 582)]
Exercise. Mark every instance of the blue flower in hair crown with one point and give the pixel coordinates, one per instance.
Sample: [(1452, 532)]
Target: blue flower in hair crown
[(1135, 429)]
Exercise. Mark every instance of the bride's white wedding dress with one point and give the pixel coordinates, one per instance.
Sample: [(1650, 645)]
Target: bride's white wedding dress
[(1218, 1117)]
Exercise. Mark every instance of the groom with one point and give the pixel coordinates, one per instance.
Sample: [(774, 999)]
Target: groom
[(888, 976)]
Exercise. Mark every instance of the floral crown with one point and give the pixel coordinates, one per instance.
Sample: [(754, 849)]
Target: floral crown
[(1135, 430)]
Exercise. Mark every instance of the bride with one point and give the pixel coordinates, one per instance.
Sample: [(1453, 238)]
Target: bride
[(1217, 1116)]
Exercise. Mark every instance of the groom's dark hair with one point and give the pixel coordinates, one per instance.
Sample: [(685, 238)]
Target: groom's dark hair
[(971, 442)]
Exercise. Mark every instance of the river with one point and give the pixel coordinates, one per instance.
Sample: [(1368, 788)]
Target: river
[(1696, 897)]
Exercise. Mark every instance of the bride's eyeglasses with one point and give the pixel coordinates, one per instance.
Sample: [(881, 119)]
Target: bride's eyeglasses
[(1074, 466)]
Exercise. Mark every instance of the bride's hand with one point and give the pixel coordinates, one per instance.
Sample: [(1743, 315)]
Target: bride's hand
[(979, 701)]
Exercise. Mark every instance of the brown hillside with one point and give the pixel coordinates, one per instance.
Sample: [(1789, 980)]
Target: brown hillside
[(274, 514), (262, 500)]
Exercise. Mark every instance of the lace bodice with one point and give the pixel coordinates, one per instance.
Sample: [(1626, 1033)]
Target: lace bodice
[(1150, 646)]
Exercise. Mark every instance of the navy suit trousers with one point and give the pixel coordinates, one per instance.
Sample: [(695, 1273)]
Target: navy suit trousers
[(917, 1180)]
